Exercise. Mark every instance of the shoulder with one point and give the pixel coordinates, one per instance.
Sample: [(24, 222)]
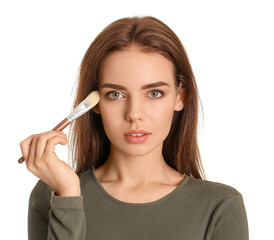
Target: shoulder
[(216, 187), (40, 190), (40, 198), (210, 191), (40, 195), (85, 177), (215, 200), (43, 190), (224, 206)]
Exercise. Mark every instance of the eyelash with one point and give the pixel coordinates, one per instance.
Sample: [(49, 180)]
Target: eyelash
[(155, 90)]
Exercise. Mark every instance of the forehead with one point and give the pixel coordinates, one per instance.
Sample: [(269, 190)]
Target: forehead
[(134, 67)]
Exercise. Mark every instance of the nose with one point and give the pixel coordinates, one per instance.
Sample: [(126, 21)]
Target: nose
[(134, 111)]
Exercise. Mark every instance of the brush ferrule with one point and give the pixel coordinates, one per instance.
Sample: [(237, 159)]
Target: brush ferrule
[(82, 108)]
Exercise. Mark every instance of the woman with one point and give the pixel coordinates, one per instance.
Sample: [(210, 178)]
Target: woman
[(138, 169)]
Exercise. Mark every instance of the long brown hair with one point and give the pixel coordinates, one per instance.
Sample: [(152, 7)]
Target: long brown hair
[(89, 146)]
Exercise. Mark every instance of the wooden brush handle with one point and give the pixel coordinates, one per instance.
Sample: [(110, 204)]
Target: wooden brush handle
[(62, 125)]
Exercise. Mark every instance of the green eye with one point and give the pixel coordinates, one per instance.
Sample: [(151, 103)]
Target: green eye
[(156, 94), (113, 95)]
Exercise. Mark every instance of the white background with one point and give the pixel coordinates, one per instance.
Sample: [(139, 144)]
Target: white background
[(230, 46)]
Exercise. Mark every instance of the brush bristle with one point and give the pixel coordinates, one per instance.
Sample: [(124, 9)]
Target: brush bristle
[(93, 98)]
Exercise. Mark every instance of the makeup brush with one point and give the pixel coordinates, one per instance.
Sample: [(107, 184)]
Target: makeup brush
[(90, 101)]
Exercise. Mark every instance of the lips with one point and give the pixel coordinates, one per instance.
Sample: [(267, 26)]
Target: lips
[(136, 136), (136, 132)]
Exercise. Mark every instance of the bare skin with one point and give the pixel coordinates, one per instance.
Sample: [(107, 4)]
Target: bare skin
[(132, 172), (137, 172), (142, 193), (42, 161)]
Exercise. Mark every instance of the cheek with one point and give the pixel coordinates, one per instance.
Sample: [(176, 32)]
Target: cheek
[(158, 114), (111, 117), (109, 110), (162, 110), (161, 118)]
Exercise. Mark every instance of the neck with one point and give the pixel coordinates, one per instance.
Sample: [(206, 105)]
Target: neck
[(134, 170)]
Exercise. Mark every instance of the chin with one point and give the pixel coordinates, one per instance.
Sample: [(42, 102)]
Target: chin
[(137, 149)]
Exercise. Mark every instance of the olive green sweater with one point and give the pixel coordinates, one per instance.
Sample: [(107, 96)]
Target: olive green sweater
[(195, 210)]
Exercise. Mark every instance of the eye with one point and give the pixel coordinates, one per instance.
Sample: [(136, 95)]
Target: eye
[(113, 95), (156, 94)]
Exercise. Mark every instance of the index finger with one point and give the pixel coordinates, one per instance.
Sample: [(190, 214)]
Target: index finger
[(25, 146)]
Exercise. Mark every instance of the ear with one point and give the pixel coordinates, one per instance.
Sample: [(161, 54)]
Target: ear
[(179, 104), (96, 109)]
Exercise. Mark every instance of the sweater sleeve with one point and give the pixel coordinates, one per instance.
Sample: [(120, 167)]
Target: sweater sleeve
[(229, 220), (53, 217)]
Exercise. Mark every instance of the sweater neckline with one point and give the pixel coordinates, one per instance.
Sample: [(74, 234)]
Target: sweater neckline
[(161, 200)]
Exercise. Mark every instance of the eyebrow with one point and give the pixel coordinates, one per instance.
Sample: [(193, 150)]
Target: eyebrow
[(151, 85)]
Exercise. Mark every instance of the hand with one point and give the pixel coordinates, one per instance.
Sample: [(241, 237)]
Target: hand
[(42, 161)]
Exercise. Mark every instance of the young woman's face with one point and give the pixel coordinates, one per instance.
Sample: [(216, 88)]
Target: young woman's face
[(128, 102)]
